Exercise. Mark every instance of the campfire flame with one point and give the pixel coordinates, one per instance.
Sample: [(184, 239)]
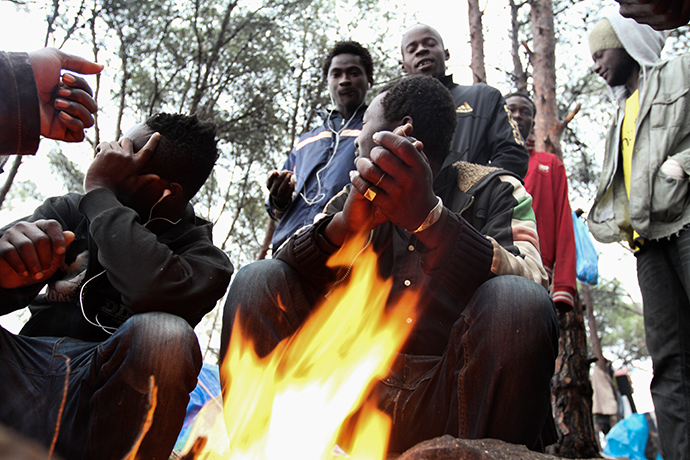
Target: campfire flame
[(295, 402)]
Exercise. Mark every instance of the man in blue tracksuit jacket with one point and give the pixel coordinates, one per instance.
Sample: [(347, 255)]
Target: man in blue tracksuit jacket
[(319, 165)]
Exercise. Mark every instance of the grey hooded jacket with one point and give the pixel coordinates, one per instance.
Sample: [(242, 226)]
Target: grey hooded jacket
[(658, 205)]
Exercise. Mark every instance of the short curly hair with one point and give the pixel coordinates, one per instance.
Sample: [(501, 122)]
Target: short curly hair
[(430, 106), (187, 150), (526, 97), (350, 47)]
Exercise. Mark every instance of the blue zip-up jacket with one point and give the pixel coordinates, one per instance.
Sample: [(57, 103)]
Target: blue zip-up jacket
[(317, 180)]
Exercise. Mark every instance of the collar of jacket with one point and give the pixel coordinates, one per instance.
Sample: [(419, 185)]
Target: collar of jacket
[(447, 81), (337, 115)]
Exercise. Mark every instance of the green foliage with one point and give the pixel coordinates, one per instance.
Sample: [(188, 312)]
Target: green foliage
[(21, 192), (70, 174), (619, 322)]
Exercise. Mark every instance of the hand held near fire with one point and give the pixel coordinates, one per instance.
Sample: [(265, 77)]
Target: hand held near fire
[(405, 193), (31, 252), (394, 184), (414, 205)]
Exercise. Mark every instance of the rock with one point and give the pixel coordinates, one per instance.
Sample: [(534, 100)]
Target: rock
[(450, 448)]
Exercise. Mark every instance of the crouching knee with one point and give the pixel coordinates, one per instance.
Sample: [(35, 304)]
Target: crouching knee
[(517, 309), (162, 345)]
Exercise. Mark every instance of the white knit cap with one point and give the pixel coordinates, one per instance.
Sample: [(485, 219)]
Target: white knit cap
[(603, 37)]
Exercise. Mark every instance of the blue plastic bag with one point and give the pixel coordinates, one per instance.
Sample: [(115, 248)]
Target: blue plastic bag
[(587, 256), (628, 438), (207, 388)]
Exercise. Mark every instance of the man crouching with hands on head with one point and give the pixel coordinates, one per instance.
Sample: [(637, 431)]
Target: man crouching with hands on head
[(481, 354), (129, 270)]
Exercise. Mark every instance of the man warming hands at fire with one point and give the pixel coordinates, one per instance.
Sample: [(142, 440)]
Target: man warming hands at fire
[(480, 356)]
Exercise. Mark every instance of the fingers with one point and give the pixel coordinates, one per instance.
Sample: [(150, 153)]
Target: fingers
[(282, 186), (361, 185), (71, 128), (74, 99), (402, 147), (147, 150), (403, 130), (31, 248), (76, 82), (75, 116), (79, 64), (272, 176), (53, 230), (126, 146), (376, 174), (74, 107), (69, 238)]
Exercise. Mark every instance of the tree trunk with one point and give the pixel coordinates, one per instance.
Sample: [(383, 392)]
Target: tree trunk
[(593, 330), (476, 41), (124, 60), (544, 73), (572, 390)]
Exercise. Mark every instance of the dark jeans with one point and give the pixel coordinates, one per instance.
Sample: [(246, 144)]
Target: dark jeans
[(493, 380), (107, 389), (663, 271)]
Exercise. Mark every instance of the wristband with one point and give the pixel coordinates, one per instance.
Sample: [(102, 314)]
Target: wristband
[(276, 207), (431, 218)]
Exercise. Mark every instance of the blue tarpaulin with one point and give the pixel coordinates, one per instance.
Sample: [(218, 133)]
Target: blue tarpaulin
[(207, 388)]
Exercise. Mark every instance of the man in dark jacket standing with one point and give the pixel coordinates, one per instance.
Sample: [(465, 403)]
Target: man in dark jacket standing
[(129, 270), (318, 166), (486, 133)]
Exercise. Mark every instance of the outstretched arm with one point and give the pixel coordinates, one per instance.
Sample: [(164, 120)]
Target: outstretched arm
[(660, 14)]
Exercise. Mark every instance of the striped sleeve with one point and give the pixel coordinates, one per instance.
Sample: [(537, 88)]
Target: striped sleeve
[(527, 261)]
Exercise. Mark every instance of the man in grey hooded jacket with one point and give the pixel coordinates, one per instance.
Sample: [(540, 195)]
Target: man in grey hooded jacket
[(643, 198)]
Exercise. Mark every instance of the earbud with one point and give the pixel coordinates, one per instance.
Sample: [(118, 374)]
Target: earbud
[(166, 192)]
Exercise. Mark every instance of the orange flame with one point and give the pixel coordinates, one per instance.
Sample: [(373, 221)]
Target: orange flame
[(293, 403)]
